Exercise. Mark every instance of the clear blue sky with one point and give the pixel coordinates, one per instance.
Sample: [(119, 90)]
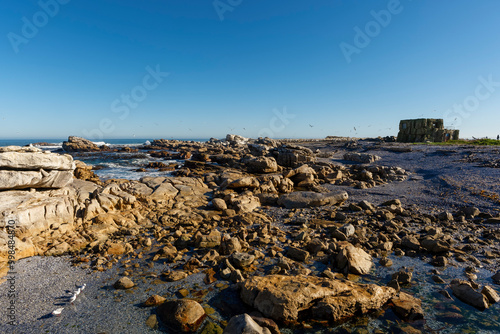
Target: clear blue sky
[(283, 68)]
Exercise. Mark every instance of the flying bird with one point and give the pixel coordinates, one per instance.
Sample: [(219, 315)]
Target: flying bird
[(57, 311), (311, 125)]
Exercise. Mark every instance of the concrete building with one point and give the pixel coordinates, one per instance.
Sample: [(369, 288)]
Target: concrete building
[(425, 129)]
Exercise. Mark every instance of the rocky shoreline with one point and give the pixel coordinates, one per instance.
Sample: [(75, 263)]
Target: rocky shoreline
[(291, 233)]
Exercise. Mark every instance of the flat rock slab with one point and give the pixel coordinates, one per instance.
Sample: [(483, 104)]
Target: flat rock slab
[(15, 179), (305, 199), (36, 161), (361, 157), (286, 298)]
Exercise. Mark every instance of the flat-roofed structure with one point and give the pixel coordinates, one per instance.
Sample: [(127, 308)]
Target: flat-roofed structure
[(425, 129)]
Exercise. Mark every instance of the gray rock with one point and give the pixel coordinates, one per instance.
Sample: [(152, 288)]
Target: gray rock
[(407, 307), (305, 199), (293, 155), (242, 260), (152, 321), (361, 157), (17, 179), (36, 161), (244, 324), (464, 291), (348, 230)]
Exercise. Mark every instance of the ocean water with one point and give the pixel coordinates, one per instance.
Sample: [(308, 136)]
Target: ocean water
[(107, 165)]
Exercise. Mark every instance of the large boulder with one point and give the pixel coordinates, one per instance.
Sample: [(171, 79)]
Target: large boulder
[(183, 315), (302, 176), (262, 165), (293, 155), (236, 139), (26, 215), (288, 298), (78, 144), (464, 291), (245, 202), (306, 199)]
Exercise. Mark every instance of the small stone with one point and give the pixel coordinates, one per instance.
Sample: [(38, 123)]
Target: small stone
[(440, 261), (123, 283), (491, 294), (385, 261), (242, 260), (154, 300), (183, 292), (152, 321), (176, 275), (496, 278), (219, 204)]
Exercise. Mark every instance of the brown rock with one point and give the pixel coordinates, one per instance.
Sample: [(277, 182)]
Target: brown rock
[(182, 315), (297, 254), (219, 204), (284, 298), (123, 283), (77, 144), (407, 307), (262, 165), (154, 300), (355, 259), (491, 294)]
